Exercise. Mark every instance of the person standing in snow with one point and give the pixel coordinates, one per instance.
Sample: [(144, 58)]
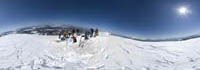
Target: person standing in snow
[(59, 35), (73, 36), (96, 32), (78, 32), (65, 34), (86, 35), (91, 32), (73, 31)]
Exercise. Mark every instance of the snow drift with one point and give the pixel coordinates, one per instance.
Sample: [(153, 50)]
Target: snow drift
[(105, 52)]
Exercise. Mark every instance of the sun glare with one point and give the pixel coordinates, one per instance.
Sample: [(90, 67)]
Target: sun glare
[(183, 10)]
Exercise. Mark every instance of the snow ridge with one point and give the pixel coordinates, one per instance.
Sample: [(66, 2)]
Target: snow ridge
[(160, 40)]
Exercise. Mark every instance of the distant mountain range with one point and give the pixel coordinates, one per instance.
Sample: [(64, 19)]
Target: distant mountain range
[(46, 30), (159, 40), (56, 29)]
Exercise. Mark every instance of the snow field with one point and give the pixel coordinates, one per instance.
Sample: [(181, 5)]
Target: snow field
[(105, 52)]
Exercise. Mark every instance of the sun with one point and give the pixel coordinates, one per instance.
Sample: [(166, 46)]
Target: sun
[(183, 10)]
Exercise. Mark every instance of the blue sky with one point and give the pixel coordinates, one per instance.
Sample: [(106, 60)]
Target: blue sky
[(137, 18)]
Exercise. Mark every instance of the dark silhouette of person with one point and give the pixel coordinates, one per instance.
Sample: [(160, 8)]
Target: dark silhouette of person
[(78, 32), (91, 32), (73, 31), (59, 35), (74, 39), (73, 36), (86, 35)]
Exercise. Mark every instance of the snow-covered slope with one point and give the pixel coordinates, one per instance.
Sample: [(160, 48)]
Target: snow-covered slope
[(105, 52)]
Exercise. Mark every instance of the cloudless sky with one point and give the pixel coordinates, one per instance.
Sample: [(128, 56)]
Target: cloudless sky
[(137, 18)]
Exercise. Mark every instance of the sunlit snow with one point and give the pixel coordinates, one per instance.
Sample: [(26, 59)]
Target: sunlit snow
[(105, 52)]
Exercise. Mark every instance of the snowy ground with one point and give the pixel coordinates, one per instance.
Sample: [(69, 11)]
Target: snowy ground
[(105, 52)]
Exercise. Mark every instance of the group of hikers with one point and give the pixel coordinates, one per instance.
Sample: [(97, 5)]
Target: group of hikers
[(63, 35)]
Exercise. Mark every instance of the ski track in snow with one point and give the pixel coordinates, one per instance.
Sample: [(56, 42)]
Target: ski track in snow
[(105, 52)]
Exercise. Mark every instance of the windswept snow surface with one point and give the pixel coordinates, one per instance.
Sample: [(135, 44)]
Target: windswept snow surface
[(105, 52)]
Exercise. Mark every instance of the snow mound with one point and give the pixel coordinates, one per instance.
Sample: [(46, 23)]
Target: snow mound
[(105, 52)]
